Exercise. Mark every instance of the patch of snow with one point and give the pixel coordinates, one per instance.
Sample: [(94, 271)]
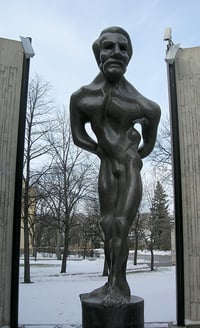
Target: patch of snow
[(53, 298)]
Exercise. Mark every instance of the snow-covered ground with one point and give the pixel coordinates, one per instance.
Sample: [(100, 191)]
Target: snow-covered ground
[(53, 298)]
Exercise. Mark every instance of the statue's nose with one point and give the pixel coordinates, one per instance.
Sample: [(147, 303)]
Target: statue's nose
[(116, 50)]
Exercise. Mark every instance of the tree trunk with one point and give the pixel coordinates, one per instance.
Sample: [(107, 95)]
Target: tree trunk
[(152, 259), (27, 276), (105, 268), (65, 253), (35, 251), (58, 252), (84, 252), (136, 251)]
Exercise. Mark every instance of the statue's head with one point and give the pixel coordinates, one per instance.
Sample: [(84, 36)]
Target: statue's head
[(113, 50)]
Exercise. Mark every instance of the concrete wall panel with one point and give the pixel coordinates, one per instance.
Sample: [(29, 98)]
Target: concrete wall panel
[(11, 64), (187, 65)]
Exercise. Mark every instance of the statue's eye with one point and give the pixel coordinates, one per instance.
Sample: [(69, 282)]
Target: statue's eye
[(123, 47), (108, 46)]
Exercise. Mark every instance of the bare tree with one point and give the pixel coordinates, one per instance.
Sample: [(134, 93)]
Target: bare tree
[(52, 189), (90, 224), (158, 223), (161, 157), (44, 225), (149, 223), (137, 233), (90, 229), (72, 178), (38, 110)]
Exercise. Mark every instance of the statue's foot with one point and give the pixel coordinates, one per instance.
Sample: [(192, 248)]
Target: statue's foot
[(117, 296), (100, 292), (118, 301)]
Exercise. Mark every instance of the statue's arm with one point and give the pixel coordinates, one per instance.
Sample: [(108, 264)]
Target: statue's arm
[(78, 121), (149, 126)]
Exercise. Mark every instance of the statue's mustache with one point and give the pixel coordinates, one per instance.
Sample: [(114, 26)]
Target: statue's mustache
[(113, 61)]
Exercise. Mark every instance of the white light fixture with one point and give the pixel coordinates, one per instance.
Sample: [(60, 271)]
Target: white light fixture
[(168, 34)]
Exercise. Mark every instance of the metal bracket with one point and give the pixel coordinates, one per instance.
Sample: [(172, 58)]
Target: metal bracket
[(171, 53), (28, 49)]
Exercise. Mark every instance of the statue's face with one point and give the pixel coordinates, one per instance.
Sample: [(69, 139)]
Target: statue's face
[(113, 55)]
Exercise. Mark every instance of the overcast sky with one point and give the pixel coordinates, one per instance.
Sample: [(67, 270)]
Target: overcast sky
[(63, 31)]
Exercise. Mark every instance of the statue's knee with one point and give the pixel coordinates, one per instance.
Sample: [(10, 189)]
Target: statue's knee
[(121, 226), (106, 224)]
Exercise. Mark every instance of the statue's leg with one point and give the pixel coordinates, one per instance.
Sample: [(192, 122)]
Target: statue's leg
[(107, 198), (129, 197)]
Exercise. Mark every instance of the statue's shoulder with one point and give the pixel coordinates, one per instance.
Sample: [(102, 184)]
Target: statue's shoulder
[(146, 102), (149, 106), (141, 99), (131, 91), (88, 89)]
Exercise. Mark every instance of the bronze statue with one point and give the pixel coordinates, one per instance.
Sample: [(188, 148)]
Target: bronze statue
[(113, 106)]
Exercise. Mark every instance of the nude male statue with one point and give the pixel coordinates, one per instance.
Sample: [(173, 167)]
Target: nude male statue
[(113, 106)]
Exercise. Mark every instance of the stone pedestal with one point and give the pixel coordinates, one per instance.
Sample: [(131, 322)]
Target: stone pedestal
[(97, 315)]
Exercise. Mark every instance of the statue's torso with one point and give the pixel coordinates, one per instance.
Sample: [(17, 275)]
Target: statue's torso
[(112, 114)]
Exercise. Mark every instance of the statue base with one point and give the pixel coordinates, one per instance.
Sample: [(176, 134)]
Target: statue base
[(96, 314)]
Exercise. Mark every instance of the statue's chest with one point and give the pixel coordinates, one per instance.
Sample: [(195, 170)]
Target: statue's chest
[(91, 104), (109, 104)]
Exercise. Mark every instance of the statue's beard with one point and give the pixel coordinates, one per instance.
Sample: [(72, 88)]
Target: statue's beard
[(113, 69)]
